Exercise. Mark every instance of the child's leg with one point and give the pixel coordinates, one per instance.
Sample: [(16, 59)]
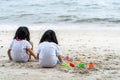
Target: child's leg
[(29, 56), (9, 54), (31, 49), (29, 59)]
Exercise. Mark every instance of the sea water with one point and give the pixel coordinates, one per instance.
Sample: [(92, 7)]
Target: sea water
[(37, 12)]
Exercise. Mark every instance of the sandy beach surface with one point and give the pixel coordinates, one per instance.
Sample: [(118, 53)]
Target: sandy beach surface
[(100, 46)]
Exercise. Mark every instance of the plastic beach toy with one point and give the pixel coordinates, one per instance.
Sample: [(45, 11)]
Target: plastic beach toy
[(70, 60), (78, 60), (72, 65), (81, 65), (75, 58), (66, 58), (66, 65), (91, 66), (58, 62)]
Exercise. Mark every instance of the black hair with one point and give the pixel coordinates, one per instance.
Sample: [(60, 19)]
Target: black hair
[(27, 33), (22, 33), (49, 36)]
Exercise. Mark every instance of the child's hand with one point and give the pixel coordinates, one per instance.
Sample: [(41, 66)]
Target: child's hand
[(62, 64), (35, 57)]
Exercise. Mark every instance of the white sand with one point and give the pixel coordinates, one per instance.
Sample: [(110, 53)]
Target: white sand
[(100, 46)]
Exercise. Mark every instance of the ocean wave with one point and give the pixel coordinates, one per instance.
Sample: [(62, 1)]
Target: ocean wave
[(104, 20), (24, 15), (75, 19), (66, 18), (66, 3), (17, 16), (3, 18), (55, 11)]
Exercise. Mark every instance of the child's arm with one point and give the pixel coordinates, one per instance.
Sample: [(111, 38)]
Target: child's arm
[(31, 44), (60, 59), (9, 54), (37, 56), (31, 52)]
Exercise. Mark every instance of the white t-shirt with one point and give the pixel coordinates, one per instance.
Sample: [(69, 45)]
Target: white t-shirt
[(18, 50), (48, 52)]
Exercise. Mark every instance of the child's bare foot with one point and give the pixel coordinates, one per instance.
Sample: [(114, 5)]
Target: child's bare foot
[(10, 59), (29, 60)]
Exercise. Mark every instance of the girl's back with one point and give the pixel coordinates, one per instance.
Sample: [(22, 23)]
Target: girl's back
[(18, 48), (48, 51), (48, 54)]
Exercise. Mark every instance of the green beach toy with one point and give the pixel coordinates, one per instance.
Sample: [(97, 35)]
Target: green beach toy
[(81, 65), (67, 65)]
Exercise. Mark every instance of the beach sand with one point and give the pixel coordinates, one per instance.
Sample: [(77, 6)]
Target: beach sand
[(99, 46)]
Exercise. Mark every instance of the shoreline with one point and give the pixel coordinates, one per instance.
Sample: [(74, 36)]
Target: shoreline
[(60, 26)]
